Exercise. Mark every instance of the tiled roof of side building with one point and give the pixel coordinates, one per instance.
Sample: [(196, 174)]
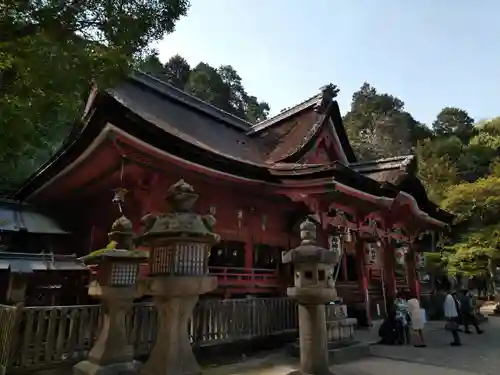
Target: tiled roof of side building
[(391, 170)]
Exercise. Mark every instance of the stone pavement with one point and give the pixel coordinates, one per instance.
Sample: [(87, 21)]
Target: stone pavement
[(480, 354)]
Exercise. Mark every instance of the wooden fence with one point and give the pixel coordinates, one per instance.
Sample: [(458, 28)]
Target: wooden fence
[(43, 337)]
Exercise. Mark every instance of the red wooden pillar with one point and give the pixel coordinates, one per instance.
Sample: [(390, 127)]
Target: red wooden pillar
[(344, 267), (389, 271), (248, 249), (411, 273), (359, 249)]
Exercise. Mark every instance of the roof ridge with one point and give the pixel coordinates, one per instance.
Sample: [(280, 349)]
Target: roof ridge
[(321, 101), (190, 100), (382, 160)]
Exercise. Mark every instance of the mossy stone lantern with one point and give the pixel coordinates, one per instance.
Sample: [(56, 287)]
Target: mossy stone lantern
[(118, 264), (115, 285), (179, 241)]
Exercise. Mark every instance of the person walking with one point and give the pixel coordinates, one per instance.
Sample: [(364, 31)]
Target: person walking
[(402, 318), (417, 320), (451, 310), (468, 314)]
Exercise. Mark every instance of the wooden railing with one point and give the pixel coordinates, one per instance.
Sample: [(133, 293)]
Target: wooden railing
[(242, 277), (45, 336)]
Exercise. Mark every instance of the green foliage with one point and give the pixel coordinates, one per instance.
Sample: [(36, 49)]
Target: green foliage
[(477, 202), (476, 205), (435, 169), (378, 126), (51, 52), (454, 121), (221, 87), (491, 127), (474, 253), (458, 163)]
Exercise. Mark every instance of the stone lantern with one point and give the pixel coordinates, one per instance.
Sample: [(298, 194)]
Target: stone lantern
[(312, 290), (179, 242), (114, 284)]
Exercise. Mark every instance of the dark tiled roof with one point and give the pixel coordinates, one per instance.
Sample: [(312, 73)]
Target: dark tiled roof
[(284, 115), (27, 262), (392, 170), (217, 131), (188, 118), (15, 217), (284, 139)]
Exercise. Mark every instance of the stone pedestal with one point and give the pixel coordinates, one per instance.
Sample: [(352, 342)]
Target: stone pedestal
[(313, 339), (175, 299), (111, 353)]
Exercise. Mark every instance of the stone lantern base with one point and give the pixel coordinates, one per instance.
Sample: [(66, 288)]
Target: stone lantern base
[(175, 299), (124, 368)]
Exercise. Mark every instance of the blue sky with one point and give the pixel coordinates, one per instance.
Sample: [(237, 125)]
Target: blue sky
[(429, 53)]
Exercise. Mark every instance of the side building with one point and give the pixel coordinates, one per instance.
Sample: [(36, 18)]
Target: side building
[(259, 181)]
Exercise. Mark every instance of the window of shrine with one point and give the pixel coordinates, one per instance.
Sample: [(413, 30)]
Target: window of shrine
[(352, 268), (227, 254), (266, 256)]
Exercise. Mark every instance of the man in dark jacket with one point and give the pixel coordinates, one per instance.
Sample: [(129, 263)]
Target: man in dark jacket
[(467, 310)]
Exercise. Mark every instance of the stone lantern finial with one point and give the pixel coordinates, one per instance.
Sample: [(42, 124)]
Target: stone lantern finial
[(181, 197), (308, 232), (122, 232), (179, 221)]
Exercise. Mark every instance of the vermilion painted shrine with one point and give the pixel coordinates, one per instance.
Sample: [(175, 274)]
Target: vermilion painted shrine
[(259, 181)]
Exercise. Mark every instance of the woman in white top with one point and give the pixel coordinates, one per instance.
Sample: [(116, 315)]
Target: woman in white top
[(417, 320), (451, 308)]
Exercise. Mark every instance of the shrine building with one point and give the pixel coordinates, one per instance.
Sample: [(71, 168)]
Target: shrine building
[(259, 181)]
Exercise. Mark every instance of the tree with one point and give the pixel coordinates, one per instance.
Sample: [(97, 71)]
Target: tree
[(177, 71), (476, 249), (206, 84), (436, 171), (491, 127), (454, 121), (221, 87), (151, 64), (378, 126), (50, 54)]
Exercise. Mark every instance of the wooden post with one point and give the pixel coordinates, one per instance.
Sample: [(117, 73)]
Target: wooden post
[(248, 252), (411, 272), (359, 249), (389, 275)]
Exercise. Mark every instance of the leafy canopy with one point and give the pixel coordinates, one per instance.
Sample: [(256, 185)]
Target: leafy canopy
[(50, 54)]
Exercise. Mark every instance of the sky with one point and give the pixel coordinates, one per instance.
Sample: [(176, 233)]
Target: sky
[(429, 53)]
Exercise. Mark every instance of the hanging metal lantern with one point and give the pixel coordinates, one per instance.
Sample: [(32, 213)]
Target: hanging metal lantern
[(370, 253), (419, 260), (400, 254), (335, 244)]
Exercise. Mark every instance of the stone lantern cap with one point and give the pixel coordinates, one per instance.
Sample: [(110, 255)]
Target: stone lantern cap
[(308, 251), (178, 222), (113, 256)]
